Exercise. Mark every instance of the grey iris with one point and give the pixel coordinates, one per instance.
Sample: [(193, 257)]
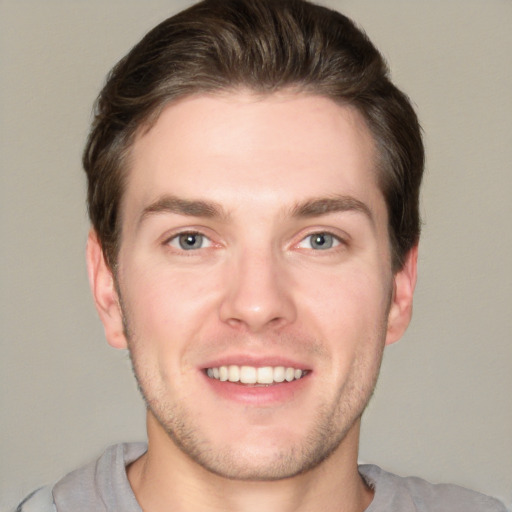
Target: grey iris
[(190, 241), (322, 241)]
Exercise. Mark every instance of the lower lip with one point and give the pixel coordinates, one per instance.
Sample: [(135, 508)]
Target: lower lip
[(258, 395)]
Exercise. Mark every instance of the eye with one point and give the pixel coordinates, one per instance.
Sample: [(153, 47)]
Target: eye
[(319, 241), (189, 241)]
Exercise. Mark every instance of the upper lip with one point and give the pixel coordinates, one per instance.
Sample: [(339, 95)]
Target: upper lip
[(257, 361)]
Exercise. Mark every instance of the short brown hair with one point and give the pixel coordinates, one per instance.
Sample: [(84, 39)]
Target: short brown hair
[(266, 46)]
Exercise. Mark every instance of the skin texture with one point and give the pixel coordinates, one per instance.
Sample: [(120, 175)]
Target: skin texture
[(253, 180)]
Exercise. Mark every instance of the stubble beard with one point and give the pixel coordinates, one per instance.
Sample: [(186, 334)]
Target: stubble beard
[(331, 425)]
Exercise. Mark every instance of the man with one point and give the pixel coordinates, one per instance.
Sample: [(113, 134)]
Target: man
[(253, 192)]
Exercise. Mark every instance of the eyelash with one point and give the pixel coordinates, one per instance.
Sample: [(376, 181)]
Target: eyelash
[(333, 241), (178, 236)]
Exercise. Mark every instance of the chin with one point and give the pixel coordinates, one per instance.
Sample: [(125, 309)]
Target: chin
[(253, 465), (261, 454)]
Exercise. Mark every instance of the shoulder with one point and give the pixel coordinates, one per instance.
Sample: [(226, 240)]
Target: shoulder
[(40, 500), (99, 485), (412, 493)]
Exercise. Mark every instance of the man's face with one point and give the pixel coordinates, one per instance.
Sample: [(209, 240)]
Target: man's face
[(255, 247)]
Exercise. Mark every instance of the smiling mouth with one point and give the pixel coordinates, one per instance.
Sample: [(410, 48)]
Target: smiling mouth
[(265, 375)]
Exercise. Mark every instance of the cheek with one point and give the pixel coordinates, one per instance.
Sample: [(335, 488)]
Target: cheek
[(351, 299), (163, 294), (348, 310), (164, 309)]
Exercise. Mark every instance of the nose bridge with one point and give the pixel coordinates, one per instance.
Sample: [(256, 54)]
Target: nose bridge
[(257, 294)]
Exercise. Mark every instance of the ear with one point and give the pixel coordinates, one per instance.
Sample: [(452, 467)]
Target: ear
[(104, 292), (400, 311)]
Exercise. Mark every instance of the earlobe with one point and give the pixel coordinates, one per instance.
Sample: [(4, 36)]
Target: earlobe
[(104, 292), (400, 312)]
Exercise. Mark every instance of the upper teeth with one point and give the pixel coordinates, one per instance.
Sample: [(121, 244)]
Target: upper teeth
[(254, 375)]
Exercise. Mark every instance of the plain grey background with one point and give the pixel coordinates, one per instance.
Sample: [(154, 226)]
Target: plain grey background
[(443, 407)]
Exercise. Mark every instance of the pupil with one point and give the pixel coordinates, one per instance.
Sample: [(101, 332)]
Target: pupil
[(320, 240)]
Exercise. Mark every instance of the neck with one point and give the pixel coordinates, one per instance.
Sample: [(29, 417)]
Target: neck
[(166, 478)]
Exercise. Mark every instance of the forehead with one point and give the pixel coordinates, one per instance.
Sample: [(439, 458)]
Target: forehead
[(270, 149)]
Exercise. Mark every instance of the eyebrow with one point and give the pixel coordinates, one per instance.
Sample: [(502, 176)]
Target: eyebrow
[(212, 210), (334, 204), (187, 207)]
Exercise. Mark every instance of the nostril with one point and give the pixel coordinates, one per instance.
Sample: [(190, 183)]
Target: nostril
[(250, 325)]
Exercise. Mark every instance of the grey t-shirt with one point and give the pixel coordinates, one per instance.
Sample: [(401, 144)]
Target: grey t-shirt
[(103, 486)]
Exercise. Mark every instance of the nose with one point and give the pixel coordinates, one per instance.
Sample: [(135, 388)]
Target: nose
[(258, 293)]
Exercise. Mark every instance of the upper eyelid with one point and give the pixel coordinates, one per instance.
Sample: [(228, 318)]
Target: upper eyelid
[(166, 238), (181, 233), (340, 235)]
